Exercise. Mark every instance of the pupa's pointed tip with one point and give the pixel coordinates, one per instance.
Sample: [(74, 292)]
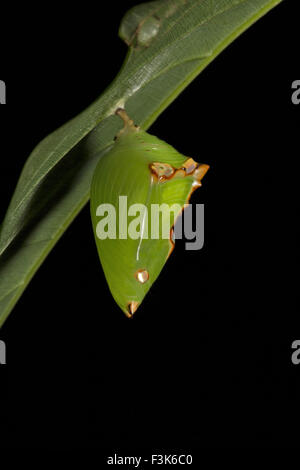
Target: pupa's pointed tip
[(131, 308)]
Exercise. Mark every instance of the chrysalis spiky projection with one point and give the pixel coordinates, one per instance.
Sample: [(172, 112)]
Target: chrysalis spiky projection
[(139, 174)]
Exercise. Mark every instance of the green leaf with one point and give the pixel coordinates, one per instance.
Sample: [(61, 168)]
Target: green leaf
[(170, 43)]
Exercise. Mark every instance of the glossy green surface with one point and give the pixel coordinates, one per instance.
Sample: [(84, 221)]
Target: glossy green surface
[(125, 171)]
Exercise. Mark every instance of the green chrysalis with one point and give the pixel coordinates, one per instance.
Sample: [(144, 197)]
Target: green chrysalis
[(141, 175)]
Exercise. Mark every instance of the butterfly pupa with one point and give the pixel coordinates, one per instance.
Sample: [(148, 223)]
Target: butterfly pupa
[(138, 190)]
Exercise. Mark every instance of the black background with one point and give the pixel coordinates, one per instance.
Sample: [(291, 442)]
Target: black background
[(206, 361)]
